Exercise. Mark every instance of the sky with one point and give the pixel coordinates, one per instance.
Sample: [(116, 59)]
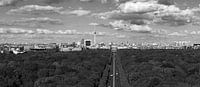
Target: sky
[(60, 21)]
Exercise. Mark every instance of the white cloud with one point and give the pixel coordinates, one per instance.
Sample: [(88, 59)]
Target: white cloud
[(93, 24), (177, 34), (144, 12), (35, 9), (138, 7), (15, 31), (44, 10), (39, 20), (138, 28), (44, 31), (47, 31), (32, 22), (80, 12), (105, 15), (102, 1), (85, 0), (8, 2), (130, 27), (121, 36)]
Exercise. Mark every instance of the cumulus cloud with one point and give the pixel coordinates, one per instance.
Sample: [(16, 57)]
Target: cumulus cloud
[(36, 9), (101, 1), (85, 0), (79, 12), (184, 33), (138, 7), (166, 2), (144, 12), (53, 1), (45, 10), (47, 31), (177, 34), (8, 2), (192, 32), (105, 15), (40, 20), (32, 22), (121, 36), (15, 31), (12, 23), (122, 25), (93, 24)]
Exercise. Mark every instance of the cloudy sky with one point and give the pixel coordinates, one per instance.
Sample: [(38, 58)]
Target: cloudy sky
[(45, 21)]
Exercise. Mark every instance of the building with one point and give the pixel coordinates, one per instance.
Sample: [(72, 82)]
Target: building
[(196, 46), (17, 49), (45, 47), (28, 47), (87, 43), (65, 47)]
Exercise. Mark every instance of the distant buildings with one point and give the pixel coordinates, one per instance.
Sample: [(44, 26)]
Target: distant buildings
[(85, 44), (64, 47)]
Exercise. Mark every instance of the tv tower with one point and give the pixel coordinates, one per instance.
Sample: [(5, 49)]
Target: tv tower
[(95, 34)]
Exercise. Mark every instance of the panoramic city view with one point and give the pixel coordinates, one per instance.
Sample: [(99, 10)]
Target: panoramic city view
[(99, 43)]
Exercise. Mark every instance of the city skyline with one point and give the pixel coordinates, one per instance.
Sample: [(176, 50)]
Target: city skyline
[(37, 21)]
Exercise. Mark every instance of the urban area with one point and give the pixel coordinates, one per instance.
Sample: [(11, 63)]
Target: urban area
[(89, 44)]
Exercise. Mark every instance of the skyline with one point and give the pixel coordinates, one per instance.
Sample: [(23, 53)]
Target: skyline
[(116, 20)]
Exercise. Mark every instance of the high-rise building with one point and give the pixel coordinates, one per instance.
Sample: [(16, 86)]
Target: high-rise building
[(87, 42)]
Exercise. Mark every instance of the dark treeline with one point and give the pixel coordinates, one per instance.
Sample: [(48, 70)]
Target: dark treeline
[(161, 68), (143, 68), (48, 69)]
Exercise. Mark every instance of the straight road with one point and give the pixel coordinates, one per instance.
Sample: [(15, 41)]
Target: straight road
[(118, 75)]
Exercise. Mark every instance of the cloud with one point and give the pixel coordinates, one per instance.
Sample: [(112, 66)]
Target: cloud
[(93, 24), (40, 20), (121, 36), (45, 10), (144, 12), (47, 31), (105, 15), (138, 7), (15, 31), (8, 2), (166, 2), (79, 12), (36, 9), (193, 32), (177, 34), (122, 25), (32, 22), (53, 1), (85, 0), (173, 20), (101, 1), (12, 23)]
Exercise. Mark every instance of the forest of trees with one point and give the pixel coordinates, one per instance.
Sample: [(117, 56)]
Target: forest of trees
[(88, 68), (48, 69), (161, 68)]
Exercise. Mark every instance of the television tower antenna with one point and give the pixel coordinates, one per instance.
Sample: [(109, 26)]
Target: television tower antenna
[(94, 31), (95, 34)]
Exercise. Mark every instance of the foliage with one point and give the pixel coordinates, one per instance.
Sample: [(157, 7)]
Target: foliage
[(47, 69), (161, 68)]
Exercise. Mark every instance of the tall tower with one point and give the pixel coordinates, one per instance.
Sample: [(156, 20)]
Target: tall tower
[(94, 32), (95, 36)]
